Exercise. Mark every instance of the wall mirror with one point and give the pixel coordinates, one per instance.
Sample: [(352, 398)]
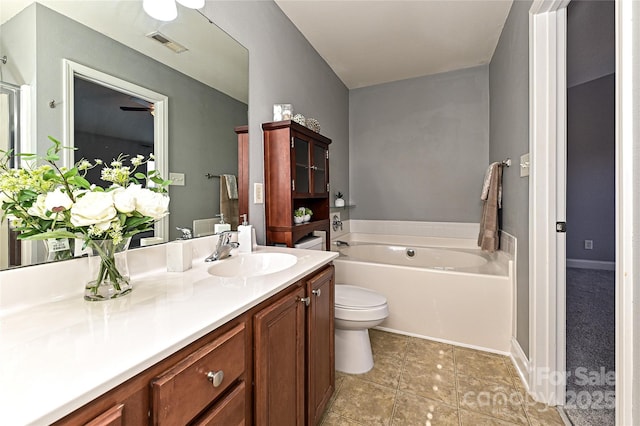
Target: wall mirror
[(206, 86)]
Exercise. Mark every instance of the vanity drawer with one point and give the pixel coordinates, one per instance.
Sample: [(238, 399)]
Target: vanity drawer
[(229, 411), (182, 392)]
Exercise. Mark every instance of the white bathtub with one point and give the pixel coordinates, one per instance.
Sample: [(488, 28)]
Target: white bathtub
[(437, 288)]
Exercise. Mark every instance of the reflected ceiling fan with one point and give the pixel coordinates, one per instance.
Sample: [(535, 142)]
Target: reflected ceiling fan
[(146, 106)]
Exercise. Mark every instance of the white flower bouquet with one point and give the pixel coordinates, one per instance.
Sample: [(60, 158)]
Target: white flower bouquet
[(46, 201)]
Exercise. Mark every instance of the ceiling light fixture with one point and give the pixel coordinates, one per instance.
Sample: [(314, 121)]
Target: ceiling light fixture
[(162, 10), (166, 10), (192, 4)]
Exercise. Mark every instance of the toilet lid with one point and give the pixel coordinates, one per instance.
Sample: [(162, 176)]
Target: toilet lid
[(350, 296)]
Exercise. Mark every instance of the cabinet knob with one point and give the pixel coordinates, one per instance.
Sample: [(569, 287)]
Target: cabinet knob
[(305, 300), (215, 377), (317, 292)]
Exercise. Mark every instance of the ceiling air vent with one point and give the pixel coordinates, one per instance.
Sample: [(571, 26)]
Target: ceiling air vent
[(167, 42)]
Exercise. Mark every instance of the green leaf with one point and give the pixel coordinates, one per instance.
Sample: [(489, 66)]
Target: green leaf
[(58, 233), (140, 176), (80, 181), (71, 173)]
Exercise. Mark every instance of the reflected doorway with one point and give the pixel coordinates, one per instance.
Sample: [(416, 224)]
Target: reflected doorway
[(108, 123)]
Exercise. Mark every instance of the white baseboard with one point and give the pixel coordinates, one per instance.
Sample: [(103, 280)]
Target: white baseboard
[(591, 264), (521, 362), (445, 341)]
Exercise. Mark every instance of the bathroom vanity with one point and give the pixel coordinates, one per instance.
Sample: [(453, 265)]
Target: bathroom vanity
[(182, 348)]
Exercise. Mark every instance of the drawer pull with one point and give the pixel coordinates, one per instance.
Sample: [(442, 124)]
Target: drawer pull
[(305, 300), (317, 292), (215, 377)]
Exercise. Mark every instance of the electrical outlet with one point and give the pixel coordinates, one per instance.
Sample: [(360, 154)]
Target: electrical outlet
[(258, 193), (177, 179), (588, 244)]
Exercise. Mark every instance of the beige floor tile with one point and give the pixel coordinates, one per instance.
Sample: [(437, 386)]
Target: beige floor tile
[(429, 352), (414, 410), (365, 402), (333, 419), (469, 418), (496, 400), (429, 381), (386, 371), (483, 366), (540, 414), (388, 344)]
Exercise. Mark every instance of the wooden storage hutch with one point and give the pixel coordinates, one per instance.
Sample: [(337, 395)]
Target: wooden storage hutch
[(296, 168)]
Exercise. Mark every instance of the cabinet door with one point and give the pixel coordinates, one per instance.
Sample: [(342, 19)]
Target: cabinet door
[(320, 344), (320, 170), (302, 166), (279, 361)]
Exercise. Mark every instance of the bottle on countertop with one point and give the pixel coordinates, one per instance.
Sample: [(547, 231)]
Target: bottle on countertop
[(245, 236), (221, 226)]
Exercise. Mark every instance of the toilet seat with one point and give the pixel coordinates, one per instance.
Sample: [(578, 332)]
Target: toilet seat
[(353, 297), (354, 303)]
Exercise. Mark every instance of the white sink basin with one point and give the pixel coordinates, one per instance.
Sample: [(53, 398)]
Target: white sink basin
[(252, 265)]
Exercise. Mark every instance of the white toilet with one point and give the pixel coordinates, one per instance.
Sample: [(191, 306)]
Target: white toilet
[(356, 310)]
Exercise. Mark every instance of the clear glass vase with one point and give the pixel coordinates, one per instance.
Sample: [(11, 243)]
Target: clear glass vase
[(108, 270), (58, 249)]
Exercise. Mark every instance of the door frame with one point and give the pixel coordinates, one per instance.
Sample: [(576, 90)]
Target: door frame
[(547, 258)]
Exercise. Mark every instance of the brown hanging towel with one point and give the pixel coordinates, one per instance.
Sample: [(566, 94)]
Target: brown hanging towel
[(488, 238)]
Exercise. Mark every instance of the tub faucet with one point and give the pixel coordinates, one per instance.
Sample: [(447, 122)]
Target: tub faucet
[(224, 247), (337, 223), (340, 243)]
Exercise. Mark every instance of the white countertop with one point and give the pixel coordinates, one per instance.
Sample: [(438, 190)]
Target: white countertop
[(57, 356)]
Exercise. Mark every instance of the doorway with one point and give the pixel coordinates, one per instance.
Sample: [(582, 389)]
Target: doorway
[(133, 99), (591, 220)]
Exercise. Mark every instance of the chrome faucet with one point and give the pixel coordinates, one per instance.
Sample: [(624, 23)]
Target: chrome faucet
[(186, 233), (340, 243), (224, 247)]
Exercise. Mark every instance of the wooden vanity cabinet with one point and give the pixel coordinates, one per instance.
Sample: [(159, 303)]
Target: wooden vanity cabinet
[(296, 163), (294, 354), (277, 361), (320, 343), (176, 390)]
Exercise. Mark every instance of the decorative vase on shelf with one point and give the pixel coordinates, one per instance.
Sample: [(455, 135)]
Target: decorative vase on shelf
[(306, 218), (339, 202), (108, 270), (298, 219)]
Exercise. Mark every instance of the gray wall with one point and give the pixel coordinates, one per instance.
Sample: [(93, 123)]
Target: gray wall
[(509, 130), (591, 40), (201, 119), (420, 147), (284, 68), (591, 169)]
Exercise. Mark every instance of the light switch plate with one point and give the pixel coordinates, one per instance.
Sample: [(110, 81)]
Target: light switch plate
[(525, 165), (258, 193), (177, 179)]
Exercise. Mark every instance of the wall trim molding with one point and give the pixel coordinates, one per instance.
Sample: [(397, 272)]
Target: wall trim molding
[(520, 362), (603, 265)]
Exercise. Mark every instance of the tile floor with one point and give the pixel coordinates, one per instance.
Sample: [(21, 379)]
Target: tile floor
[(421, 382)]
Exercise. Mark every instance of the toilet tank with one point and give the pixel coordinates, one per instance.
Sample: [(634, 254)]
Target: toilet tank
[(310, 243)]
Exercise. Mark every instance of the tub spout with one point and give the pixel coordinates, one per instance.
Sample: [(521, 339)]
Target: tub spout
[(340, 243)]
